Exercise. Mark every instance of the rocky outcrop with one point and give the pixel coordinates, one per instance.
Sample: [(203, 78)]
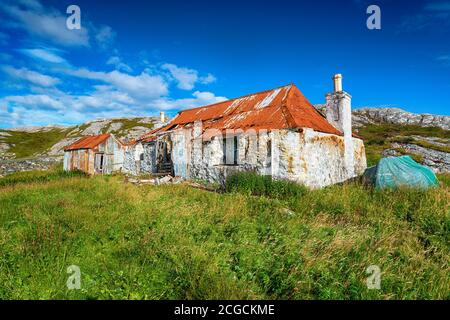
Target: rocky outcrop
[(365, 116), (438, 161), (58, 148)]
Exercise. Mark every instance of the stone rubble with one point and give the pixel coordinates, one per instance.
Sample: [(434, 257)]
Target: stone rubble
[(156, 180), (8, 166)]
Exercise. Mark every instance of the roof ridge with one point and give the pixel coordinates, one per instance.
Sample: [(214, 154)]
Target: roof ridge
[(241, 97)]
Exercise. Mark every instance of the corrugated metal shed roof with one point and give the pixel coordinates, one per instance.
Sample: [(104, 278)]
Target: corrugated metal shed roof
[(280, 108), (89, 142)]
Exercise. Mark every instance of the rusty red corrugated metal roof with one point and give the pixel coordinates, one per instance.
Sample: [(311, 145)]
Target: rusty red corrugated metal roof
[(280, 108), (89, 142)]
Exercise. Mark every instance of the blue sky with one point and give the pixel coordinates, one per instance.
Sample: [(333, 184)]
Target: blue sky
[(136, 58)]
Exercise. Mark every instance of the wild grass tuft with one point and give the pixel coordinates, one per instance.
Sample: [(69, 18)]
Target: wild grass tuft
[(254, 184)]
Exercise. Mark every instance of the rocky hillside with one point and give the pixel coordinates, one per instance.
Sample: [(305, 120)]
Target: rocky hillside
[(32, 148), (365, 116), (395, 132)]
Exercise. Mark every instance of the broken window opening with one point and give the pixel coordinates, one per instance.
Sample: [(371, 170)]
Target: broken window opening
[(229, 144)]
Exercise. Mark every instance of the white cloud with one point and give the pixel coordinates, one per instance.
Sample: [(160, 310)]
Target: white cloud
[(48, 23), (208, 79), (119, 64), (31, 76), (37, 101), (47, 55), (143, 85), (185, 77), (199, 99), (105, 102)]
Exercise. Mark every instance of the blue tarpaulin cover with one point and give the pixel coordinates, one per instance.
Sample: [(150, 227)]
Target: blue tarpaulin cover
[(393, 172)]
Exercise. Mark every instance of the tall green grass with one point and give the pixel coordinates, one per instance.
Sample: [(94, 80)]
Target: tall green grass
[(38, 176), (255, 184), (177, 242)]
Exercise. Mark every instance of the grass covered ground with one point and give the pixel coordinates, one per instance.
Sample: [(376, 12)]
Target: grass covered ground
[(28, 144), (177, 242), (378, 137)]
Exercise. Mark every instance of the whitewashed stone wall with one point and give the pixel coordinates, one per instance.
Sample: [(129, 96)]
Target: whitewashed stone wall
[(308, 157)]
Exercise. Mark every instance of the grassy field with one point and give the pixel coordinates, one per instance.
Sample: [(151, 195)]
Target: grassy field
[(177, 242)]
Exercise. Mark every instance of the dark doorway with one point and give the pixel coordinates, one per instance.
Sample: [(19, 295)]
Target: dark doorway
[(99, 162), (164, 156)]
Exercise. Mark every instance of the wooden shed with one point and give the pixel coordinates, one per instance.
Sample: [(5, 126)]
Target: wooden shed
[(101, 154)]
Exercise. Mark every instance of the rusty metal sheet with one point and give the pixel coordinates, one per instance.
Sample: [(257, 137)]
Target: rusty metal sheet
[(89, 142), (280, 108)]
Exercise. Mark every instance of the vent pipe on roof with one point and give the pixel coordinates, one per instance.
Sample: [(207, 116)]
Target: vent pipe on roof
[(162, 117), (337, 82)]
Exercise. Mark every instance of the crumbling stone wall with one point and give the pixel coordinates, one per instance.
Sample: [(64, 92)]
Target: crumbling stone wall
[(311, 158), (308, 157)]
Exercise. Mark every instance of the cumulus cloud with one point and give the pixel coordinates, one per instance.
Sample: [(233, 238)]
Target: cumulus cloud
[(104, 102), (68, 94), (142, 85), (187, 78)]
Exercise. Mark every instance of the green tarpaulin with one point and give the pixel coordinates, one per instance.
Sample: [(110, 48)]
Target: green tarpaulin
[(393, 172)]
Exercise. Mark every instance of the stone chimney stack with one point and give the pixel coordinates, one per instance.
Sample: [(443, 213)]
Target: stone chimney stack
[(339, 114), (162, 117)]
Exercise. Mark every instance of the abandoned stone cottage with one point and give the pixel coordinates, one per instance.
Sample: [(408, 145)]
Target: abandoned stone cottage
[(101, 154), (276, 132)]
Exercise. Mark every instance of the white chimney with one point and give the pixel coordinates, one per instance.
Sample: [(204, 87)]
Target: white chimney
[(162, 117), (339, 114)]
